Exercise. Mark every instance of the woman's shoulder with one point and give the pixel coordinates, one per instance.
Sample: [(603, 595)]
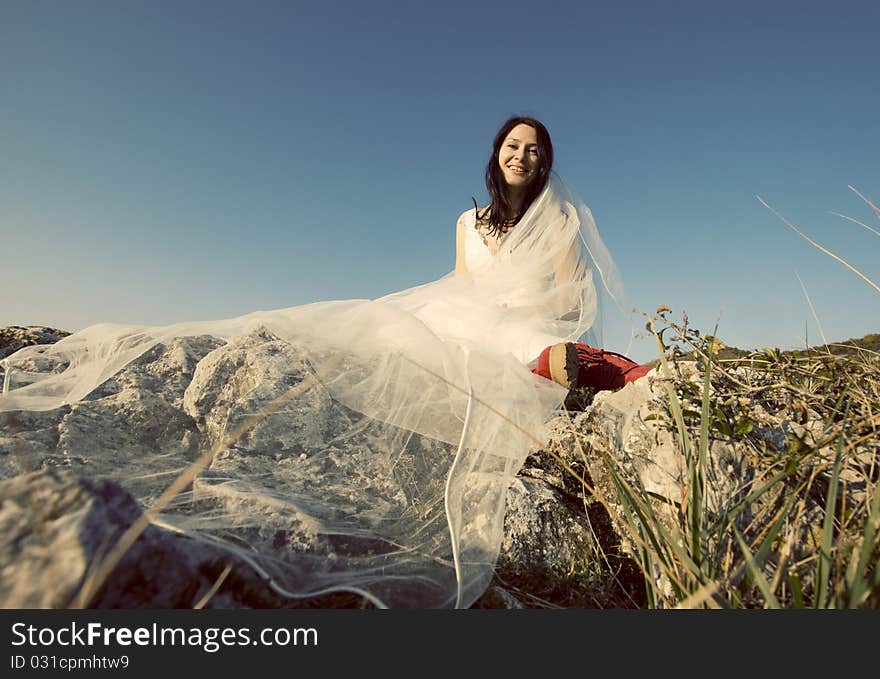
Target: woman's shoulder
[(469, 218)]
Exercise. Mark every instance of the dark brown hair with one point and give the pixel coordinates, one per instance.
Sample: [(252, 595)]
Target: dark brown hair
[(500, 209)]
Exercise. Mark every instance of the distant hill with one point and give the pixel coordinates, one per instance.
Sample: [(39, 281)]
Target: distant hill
[(849, 347)]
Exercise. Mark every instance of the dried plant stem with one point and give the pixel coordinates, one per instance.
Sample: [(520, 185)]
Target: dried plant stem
[(819, 247)]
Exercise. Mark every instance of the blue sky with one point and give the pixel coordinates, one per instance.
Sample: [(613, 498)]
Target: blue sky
[(167, 161)]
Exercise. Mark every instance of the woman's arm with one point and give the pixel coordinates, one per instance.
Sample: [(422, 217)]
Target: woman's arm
[(566, 270), (565, 265)]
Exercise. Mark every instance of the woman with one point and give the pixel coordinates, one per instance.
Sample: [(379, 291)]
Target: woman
[(518, 169), (360, 445)]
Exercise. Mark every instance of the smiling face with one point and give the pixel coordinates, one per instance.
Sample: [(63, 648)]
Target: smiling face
[(518, 156)]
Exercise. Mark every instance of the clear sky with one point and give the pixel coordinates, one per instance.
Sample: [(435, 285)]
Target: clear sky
[(165, 161)]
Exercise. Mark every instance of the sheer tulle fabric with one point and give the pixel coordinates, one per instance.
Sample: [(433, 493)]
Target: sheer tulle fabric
[(413, 415)]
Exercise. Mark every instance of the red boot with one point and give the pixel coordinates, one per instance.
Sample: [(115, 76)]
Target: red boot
[(580, 365)]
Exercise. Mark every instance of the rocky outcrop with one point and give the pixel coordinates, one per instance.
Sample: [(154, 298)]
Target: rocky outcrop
[(155, 416), (61, 505), (15, 337), (55, 527)]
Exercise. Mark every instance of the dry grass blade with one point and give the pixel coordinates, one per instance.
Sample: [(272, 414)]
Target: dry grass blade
[(755, 570), (870, 204), (825, 550), (859, 586), (856, 221), (813, 311), (819, 247), (703, 596), (696, 507), (214, 588)]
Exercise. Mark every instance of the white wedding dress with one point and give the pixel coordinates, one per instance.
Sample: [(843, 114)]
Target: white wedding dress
[(388, 470)]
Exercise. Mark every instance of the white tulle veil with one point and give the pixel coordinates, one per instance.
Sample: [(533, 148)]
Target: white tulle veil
[(386, 471)]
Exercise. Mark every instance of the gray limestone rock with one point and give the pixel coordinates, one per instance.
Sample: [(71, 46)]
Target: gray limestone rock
[(15, 337), (160, 412), (154, 417), (53, 528), (542, 531), (132, 427)]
